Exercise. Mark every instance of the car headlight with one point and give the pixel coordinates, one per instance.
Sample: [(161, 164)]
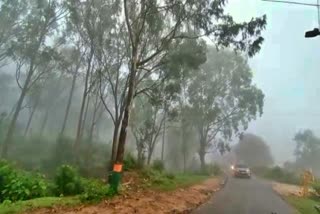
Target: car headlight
[(248, 170)]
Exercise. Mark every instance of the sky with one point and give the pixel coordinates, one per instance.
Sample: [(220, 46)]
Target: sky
[(287, 69)]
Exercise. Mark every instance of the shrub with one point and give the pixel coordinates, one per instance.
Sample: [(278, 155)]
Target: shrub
[(67, 181), (215, 169), (155, 177), (316, 187), (20, 185), (170, 176), (94, 190), (158, 165), (212, 169), (129, 162), (278, 174)]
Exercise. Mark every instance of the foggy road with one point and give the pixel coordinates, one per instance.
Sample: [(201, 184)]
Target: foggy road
[(245, 196)]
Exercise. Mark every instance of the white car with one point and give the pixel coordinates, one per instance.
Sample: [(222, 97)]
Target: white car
[(241, 170)]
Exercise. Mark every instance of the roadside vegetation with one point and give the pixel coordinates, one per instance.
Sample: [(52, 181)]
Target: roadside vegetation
[(47, 202), (303, 205), (307, 153), (278, 174), (21, 190)]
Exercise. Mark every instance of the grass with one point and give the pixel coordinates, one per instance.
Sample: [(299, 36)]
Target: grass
[(22, 206), (157, 180), (303, 205), (277, 174), (179, 181)]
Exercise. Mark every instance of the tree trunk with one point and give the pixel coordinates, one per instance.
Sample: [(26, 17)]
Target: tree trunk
[(89, 144), (30, 118), (79, 126), (92, 127), (202, 154), (163, 136), (65, 119), (84, 98), (140, 157), (44, 122), (85, 116), (114, 145), (128, 103), (93, 124), (149, 157), (12, 125)]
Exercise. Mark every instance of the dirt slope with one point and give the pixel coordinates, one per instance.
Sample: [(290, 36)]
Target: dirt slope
[(147, 201), (286, 189)]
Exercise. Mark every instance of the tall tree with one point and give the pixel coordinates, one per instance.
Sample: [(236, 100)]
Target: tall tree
[(154, 26), (222, 100), (70, 64), (92, 22), (33, 100), (30, 50), (307, 150), (253, 150), (147, 124)]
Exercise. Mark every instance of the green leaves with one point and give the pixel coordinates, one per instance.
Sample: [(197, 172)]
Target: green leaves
[(18, 185), (67, 181)]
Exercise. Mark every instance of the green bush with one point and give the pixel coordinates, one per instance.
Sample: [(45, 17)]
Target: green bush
[(94, 190), (16, 185), (215, 169), (212, 169), (129, 162), (156, 177), (278, 174), (170, 175), (158, 165), (67, 181), (316, 187)]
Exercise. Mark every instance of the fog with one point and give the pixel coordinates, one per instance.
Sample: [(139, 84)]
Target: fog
[(287, 70), (182, 102)]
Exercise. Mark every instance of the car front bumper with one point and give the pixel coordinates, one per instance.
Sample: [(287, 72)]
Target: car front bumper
[(242, 174)]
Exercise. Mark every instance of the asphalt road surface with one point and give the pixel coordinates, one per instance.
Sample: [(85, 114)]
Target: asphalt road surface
[(245, 196)]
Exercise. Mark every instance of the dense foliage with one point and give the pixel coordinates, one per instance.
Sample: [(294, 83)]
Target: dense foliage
[(67, 181), (18, 185), (316, 187)]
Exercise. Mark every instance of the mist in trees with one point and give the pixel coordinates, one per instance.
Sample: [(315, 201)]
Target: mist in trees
[(254, 151), (86, 82), (307, 151)]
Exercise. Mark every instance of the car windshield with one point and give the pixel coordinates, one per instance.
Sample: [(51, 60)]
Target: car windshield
[(241, 166)]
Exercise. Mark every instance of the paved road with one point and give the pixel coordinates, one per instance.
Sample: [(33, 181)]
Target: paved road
[(245, 196)]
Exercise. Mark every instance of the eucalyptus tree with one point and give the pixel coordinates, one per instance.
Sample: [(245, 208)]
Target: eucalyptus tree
[(147, 124), (70, 64), (222, 100), (155, 26), (30, 49), (92, 22)]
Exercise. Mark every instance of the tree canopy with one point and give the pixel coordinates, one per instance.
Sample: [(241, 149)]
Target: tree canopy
[(253, 150)]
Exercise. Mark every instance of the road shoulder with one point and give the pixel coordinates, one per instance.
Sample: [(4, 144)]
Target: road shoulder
[(291, 194), (182, 200)]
